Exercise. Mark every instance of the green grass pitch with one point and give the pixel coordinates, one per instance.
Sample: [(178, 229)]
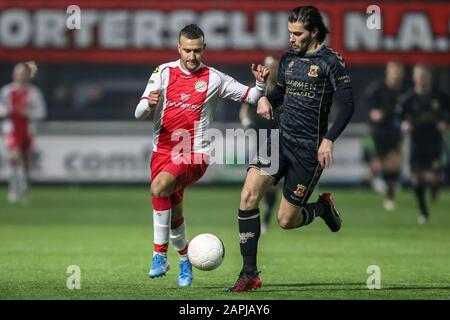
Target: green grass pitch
[(107, 232)]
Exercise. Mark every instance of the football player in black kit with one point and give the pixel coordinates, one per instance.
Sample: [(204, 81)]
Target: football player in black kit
[(425, 114), (308, 76), (382, 99)]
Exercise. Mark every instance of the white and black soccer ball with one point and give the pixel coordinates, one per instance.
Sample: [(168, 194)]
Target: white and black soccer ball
[(206, 251)]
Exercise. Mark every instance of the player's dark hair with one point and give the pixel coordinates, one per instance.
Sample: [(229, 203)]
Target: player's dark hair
[(311, 18), (191, 31)]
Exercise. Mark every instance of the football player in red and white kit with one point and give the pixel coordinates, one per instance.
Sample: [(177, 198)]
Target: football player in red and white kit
[(184, 95), (20, 104)]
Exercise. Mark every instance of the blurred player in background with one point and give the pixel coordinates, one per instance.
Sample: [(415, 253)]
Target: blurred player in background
[(308, 75), (20, 104), (184, 95), (425, 114), (382, 98), (250, 119)]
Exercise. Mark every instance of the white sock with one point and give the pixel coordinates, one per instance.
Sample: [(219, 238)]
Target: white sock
[(13, 180), (161, 226), (22, 181), (179, 239)]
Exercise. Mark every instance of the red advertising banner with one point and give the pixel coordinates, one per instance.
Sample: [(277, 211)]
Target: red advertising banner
[(243, 31)]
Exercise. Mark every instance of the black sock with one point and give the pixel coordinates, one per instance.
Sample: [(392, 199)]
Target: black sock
[(249, 232), (434, 188), (270, 198), (310, 211), (419, 190), (391, 178)]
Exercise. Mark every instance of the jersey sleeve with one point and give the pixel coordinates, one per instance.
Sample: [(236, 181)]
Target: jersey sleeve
[(276, 96), (232, 89), (339, 76), (38, 108), (155, 81), (3, 103), (342, 85), (153, 84)]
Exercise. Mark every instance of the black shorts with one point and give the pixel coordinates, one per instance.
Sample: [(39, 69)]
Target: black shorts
[(425, 157), (297, 163), (386, 140)]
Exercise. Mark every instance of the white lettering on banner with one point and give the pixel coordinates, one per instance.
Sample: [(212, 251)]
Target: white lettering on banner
[(358, 36), (147, 28), (224, 29), (113, 30), (84, 37), (15, 28), (51, 28), (414, 32)]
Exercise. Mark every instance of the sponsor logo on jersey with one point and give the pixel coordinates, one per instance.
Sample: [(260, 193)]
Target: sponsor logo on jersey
[(201, 86), (185, 97), (181, 104), (313, 71), (300, 191), (244, 236)]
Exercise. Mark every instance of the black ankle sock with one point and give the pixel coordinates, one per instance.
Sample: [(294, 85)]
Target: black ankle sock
[(419, 190), (312, 210), (391, 178), (249, 232)]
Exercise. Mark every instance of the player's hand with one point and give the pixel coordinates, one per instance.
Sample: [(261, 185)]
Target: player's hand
[(153, 98), (376, 115), (442, 126), (264, 108), (406, 126), (325, 153), (260, 72)]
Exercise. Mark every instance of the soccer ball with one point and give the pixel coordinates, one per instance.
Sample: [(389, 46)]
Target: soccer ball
[(206, 251)]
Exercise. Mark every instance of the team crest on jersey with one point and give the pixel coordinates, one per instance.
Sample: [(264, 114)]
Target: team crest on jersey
[(300, 191), (313, 71), (201, 86)]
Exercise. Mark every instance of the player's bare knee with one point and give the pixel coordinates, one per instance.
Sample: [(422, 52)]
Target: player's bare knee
[(159, 189), (285, 221)]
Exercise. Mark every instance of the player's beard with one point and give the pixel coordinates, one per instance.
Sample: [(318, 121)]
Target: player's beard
[(191, 65), (304, 46)]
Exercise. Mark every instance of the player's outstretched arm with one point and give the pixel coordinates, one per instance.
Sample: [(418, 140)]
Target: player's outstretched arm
[(260, 73), (151, 96), (147, 104)]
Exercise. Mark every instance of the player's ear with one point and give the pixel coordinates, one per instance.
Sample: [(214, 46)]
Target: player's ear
[(179, 48)]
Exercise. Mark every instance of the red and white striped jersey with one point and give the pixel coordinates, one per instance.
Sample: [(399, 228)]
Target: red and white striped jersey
[(187, 104), (20, 104)]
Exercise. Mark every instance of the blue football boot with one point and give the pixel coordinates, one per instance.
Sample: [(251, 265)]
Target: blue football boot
[(160, 266), (185, 276)]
